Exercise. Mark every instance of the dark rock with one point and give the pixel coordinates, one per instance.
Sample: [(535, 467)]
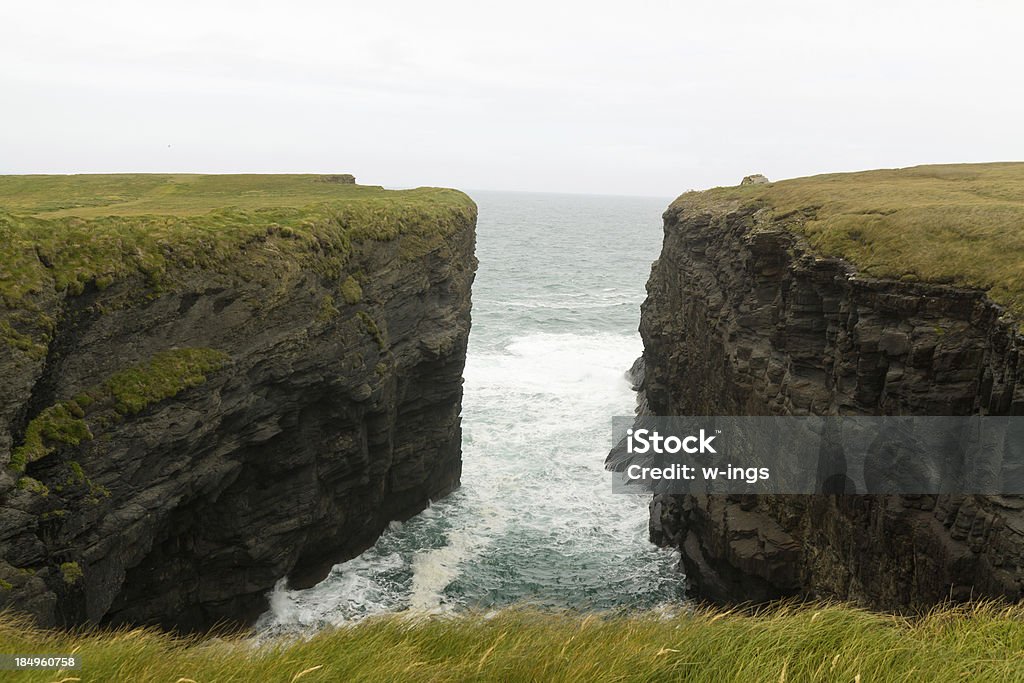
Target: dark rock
[(742, 319), (320, 431), (636, 373)]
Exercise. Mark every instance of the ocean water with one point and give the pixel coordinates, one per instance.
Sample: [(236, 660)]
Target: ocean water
[(555, 311)]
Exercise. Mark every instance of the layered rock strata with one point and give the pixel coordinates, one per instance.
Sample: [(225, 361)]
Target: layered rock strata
[(169, 451), (744, 318)]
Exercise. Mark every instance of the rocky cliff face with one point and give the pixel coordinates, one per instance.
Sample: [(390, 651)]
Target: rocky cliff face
[(169, 453), (742, 318)]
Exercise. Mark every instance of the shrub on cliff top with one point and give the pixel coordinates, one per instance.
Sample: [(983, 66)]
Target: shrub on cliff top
[(955, 224)]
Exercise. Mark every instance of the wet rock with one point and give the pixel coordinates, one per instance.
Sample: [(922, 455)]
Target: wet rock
[(636, 373)]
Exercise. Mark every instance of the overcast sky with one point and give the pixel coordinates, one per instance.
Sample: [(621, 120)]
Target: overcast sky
[(648, 98)]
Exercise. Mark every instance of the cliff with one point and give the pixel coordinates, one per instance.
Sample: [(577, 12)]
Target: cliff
[(212, 382), (878, 293)]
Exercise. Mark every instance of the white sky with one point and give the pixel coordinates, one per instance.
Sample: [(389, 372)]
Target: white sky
[(645, 98)]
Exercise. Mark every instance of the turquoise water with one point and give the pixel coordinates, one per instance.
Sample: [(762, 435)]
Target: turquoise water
[(555, 311)]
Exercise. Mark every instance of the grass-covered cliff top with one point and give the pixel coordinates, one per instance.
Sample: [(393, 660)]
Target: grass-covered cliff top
[(136, 194), (955, 224), (805, 644), (68, 231)]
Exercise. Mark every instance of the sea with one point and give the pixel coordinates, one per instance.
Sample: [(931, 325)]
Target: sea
[(556, 304)]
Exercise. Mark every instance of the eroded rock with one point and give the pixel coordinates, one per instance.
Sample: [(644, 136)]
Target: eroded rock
[(742, 318), (328, 419)]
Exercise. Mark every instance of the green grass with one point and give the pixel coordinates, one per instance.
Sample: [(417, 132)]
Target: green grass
[(351, 291), (92, 196), (167, 374), (828, 643), (955, 224), (371, 327), (60, 423), (129, 391), (65, 232), (71, 572)]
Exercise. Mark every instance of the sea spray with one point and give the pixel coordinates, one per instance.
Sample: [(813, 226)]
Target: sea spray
[(554, 328)]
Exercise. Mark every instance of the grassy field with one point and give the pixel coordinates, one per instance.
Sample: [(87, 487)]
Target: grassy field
[(136, 194), (827, 643), (66, 232), (956, 224)]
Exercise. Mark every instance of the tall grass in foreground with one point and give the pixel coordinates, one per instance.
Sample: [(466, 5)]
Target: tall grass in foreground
[(827, 643)]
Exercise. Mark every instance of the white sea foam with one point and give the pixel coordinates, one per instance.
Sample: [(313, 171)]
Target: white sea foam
[(535, 519)]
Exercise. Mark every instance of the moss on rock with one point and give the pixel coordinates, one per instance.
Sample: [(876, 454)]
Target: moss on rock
[(351, 292), (128, 392), (33, 486), (167, 374), (59, 424), (328, 311), (71, 572), (371, 327)]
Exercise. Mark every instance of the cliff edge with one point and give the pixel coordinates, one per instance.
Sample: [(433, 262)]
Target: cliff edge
[(893, 292), (213, 382)]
